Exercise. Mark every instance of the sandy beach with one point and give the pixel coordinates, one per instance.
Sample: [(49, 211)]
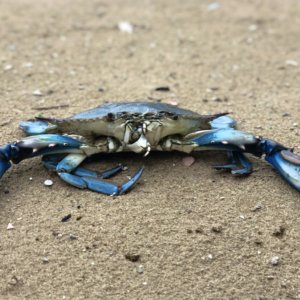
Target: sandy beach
[(182, 232)]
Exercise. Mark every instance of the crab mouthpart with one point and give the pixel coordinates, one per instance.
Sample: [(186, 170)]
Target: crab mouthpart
[(141, 145)]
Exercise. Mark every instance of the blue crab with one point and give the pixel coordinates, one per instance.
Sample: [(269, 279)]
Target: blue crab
[(140, 127)]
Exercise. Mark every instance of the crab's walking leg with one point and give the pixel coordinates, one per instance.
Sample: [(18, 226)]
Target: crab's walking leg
[(76, 150), (68, 170), (51, 161), (237, 158), (281, 158), (237, 142)]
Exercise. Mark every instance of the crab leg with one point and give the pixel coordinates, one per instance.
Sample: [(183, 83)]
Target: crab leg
[(100, 186), (236, 158), (68, 170), (281, 158), (51, 161), (77, 151)]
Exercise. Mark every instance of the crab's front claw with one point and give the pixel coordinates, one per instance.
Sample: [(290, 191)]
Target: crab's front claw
[(284, 161), (5, 154), (35, 146)]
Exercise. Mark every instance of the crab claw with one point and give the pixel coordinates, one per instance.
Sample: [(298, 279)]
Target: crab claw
[(5, 153), (35, 146), (284, 161)]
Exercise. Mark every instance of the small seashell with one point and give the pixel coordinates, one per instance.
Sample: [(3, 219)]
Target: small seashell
[(188, 161), (291, 62), (8, 67), (48, 182), (213, 6), (10, 226), (37, 93), (125, 27), (173, 103), (252, 27), (275, 260)]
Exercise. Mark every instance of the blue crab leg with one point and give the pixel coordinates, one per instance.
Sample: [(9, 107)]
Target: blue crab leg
[(52, 145), (72, 161), (281, 158), (284, 161), (51, 163), (101, 186), (235, 158), (34, 146), (5, 163)]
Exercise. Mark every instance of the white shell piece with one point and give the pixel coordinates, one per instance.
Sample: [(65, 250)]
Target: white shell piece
[(10, 226), (48, 182)]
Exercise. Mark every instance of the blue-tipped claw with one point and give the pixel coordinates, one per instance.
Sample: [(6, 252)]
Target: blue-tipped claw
[(288, 166), (129, 184), (100, 186)]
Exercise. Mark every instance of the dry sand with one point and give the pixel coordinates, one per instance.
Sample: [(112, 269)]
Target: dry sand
[(196, 231)]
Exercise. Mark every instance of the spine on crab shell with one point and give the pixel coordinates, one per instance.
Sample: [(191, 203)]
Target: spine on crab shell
[(36, 127)]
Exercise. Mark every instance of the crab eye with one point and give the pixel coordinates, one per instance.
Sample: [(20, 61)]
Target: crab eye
[(110, 117)]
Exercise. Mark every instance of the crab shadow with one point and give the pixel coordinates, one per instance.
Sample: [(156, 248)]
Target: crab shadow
[(161, 162)]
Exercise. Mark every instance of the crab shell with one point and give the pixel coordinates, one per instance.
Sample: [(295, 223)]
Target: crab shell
[(138, 126)]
